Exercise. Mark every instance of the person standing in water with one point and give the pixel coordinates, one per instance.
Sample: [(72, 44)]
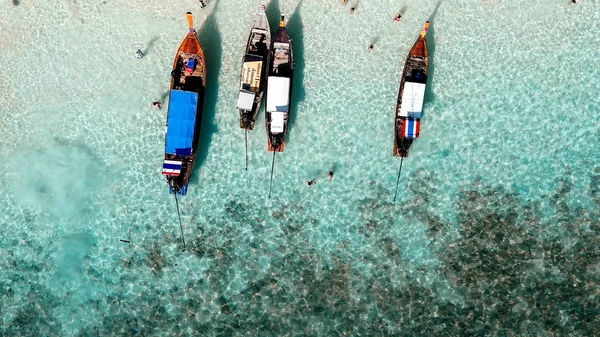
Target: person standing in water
[(398, 17), (139, 54), (330, 176), (370, 47)]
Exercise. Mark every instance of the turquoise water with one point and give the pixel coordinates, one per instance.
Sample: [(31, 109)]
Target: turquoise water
[(495, 231)]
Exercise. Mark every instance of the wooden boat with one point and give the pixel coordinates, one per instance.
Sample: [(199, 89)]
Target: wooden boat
[(279, 88), (254, 68), (279, 92), (186, 98), (409, 107)]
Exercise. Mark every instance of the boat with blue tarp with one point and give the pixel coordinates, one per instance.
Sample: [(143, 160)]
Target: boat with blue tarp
[(186, 97)]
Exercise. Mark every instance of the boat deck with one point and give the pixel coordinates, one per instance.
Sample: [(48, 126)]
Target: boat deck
[(418, 49), (185, 80), (258, 44), (190, 45), (416, 70), (282, 54)]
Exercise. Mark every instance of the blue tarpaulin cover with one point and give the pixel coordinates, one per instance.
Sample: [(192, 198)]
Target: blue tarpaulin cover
[(181, 122), (190, 65)]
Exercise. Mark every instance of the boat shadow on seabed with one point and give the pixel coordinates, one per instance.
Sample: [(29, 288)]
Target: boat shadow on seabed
[(211, 41), (296, 30), (273, 12), (429, 95)]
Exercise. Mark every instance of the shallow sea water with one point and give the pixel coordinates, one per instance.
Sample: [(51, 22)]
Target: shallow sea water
[(510, 146)]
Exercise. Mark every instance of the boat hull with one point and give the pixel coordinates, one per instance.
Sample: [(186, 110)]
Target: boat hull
[(281, 73), (415, 73), (255, 66), (191, 82)]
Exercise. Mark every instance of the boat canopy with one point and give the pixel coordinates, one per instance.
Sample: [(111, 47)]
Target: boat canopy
[(277, 121), (181, 122), (411, 128), (245, 100), (412, 100), (251, 76), (278, 94)]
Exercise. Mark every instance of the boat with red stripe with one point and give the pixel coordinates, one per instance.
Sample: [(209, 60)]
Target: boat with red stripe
[(409, 107)]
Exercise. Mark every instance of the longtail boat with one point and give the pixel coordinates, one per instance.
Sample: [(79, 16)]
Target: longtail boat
[(255, 64), (254, 68), (279, 91), (409, 107), (279, 88), (186, 98)]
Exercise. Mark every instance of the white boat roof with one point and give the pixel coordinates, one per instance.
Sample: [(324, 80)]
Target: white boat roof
[(278, 94), (277, 121), (412, 100), (245, 100)]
